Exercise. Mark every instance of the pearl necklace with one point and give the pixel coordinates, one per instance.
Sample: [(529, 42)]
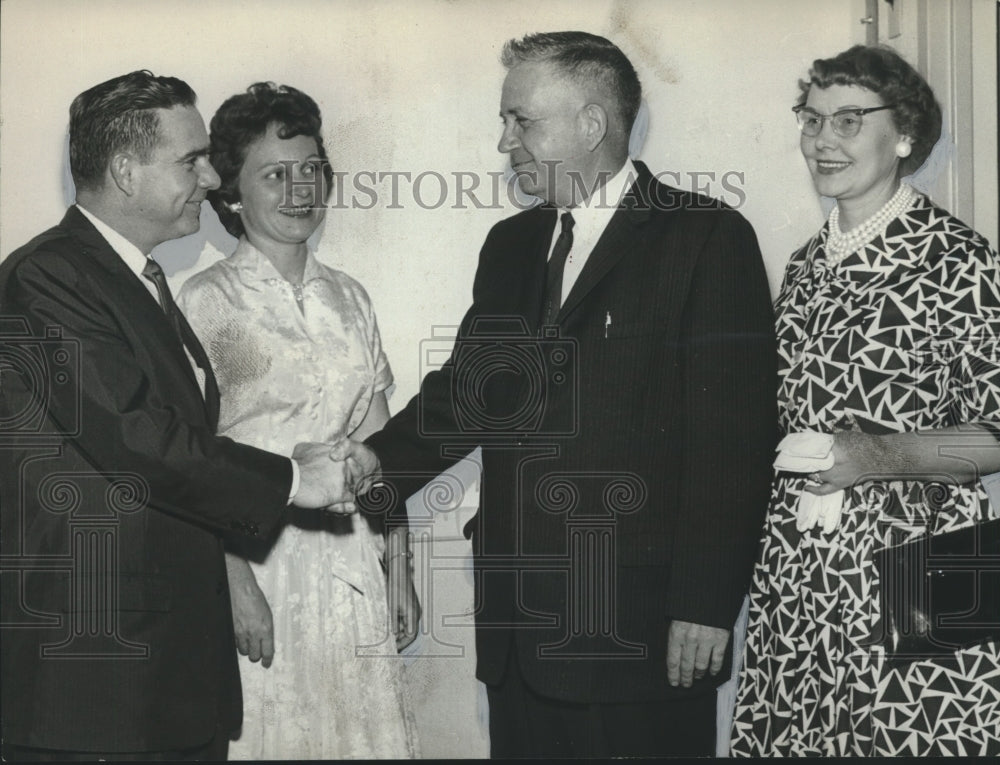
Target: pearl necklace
[(839, 245)]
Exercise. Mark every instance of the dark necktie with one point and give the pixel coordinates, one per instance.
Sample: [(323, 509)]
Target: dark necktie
[(185, 334), (554, 270)]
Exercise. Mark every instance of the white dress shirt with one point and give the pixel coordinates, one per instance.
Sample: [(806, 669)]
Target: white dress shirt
[(589, 221)]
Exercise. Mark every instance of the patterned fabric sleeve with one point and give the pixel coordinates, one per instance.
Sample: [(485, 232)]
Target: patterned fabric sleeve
[(975, 365), (383, 373), (798, 265)]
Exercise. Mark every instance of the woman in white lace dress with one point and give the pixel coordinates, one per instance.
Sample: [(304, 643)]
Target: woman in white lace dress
[(296, 350)]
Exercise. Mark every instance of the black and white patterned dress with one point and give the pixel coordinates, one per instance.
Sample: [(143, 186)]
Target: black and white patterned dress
[(900, 336)]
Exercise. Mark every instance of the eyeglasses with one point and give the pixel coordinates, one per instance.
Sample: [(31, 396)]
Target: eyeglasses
[(846, 123)]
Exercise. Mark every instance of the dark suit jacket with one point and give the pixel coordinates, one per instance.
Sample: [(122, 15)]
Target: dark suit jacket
[(117, 631), (626, 461)]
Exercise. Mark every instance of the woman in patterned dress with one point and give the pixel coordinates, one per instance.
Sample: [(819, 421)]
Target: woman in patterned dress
[(297, 353), (887, 325)]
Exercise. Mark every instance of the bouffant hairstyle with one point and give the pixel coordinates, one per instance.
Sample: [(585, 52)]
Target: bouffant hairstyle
[(881, 70), (245, 118), (585, 58), (119, 115)]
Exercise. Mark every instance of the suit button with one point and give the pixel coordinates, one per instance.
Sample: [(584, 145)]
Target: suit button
[(219, 588)]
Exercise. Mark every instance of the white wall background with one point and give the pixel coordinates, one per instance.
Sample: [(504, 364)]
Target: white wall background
[(413, 86)]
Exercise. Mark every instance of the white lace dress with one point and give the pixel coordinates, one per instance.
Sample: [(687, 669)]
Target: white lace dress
[(335, 688)]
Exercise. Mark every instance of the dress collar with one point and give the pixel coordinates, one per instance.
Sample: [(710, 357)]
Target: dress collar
[(904, 244), (257, 267)]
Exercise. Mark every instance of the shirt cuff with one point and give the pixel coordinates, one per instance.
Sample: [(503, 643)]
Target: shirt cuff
[(295, 482)]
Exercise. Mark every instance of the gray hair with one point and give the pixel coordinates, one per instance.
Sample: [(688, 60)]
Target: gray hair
[(584, 58)]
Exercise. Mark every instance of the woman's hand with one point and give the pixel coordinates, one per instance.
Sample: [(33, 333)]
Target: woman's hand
[(855, 455), (252, 621), (822, 503), (404, 606), (253, 625)]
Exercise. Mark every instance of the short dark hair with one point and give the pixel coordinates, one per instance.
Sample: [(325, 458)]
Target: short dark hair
[(881, 70), (245, 118), (119, 114), (585, 58)]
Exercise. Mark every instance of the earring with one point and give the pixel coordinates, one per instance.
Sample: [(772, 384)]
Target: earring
[(903, 149), (237, 207)]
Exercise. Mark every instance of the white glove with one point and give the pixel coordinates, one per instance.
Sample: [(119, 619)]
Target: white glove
[(825, 509), (805, 452), (811, 452)]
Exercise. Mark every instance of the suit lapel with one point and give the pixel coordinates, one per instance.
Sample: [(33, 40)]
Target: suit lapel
[(529, 250), (617, 240), (139, 307), (201, 359)]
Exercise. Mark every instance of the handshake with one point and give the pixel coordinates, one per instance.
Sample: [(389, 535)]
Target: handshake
[(332, 475)]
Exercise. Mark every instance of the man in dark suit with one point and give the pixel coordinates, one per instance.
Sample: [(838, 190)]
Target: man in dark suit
[(117, 639), (617, 367)]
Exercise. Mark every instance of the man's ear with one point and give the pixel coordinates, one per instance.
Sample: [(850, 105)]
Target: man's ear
[(123, 172), (594, 124)]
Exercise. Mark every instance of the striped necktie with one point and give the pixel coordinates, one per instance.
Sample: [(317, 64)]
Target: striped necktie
[(185, 334)]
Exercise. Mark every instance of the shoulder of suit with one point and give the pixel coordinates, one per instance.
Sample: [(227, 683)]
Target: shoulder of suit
[(46, 240), (690, 212), (53, 249), (519, 219), (665, 198)]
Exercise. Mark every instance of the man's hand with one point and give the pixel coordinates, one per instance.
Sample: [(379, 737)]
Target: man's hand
[(404, 606), (362, 471), (330, 476), (693, 648), (363, 466), (324, 479)]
